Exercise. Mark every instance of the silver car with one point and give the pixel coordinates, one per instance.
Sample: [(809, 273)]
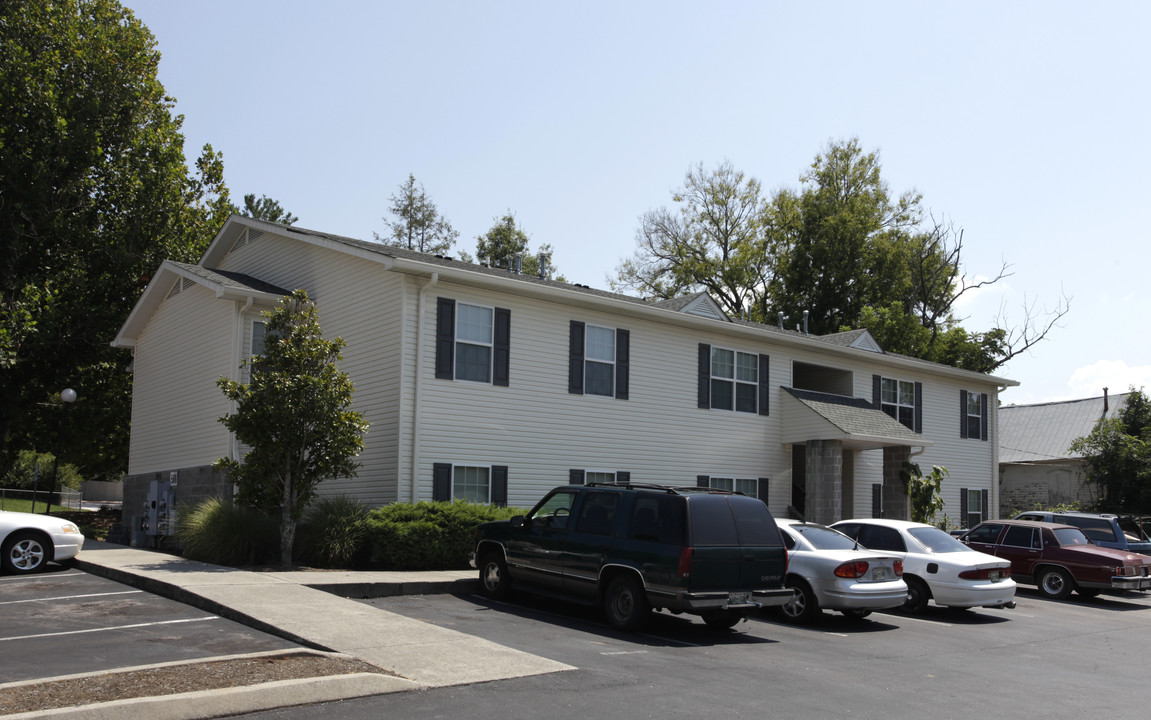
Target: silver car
[(29, 541), (829, 571)]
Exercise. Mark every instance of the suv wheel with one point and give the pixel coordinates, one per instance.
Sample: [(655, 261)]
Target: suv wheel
[(494, 580), (625, 603), (722, 619)]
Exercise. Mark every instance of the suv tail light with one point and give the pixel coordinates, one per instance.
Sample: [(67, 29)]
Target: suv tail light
[(986, 574), (852, 569), (683, 570)]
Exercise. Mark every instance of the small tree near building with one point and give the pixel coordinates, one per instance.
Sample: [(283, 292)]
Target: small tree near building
[(294, 416), (1118, 455)]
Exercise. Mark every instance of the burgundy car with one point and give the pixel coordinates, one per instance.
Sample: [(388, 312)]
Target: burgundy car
[(1060, 559)]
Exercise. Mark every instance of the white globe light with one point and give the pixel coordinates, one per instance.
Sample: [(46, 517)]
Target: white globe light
[(68, 395)]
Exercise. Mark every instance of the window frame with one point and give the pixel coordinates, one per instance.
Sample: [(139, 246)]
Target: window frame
[(489, 345), (734, 379), (898, 405), (444, 482), (588, 360), (976, 418), (736, 482)]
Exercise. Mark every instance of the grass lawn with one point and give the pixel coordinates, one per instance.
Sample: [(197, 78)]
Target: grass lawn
[(15, 505)]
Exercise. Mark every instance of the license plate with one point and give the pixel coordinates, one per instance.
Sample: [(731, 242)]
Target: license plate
[(738, 598), (879, 574), (993, 575)]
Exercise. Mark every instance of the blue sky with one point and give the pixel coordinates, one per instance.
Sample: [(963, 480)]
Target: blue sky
[(1024, 123)]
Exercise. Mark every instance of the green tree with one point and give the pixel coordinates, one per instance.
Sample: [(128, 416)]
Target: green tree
[(499, 246), (294, 416), (418, 224), (265, 209), (713, 242), (94, 194), (1118, 455)]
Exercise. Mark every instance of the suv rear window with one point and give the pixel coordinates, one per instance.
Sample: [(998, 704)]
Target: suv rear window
[(711, 522)]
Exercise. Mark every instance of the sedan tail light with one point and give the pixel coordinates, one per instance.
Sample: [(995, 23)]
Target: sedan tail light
[(1125, 570), (986, 574), (898, 568), (852, 569)]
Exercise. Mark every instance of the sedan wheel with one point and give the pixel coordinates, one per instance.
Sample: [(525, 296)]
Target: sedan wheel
[(1055, 583), (917, 595), (24, 553), (803, 606)]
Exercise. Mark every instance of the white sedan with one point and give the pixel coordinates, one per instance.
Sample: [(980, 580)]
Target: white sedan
[(936, 566), (28, 541), (829, 571)]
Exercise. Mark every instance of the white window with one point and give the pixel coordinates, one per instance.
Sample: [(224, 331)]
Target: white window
[(259, 328), (734, 380), (747, 486), (974, 506), (594, 476), (474, 329), (898, 401), (974, 415), (471, 483), (599, 361)]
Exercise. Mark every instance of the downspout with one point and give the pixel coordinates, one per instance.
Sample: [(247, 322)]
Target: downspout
[(237, 355), (417, 416)]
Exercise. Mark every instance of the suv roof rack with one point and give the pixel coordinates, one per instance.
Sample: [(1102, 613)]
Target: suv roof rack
[(670, 489)]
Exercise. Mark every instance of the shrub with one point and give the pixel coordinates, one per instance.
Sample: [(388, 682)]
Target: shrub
[(218, 532), (334, 534), (22, 474), (428, 535)]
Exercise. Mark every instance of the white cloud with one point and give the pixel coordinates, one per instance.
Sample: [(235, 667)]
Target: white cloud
[(1115, 375)]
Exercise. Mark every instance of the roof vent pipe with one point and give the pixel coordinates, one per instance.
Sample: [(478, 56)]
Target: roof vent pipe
[(1105, 402), (805, 313), (519, 263), (543, 266), (779, 318)]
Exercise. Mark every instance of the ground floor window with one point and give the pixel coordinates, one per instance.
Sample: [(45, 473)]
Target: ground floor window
[(471, 483), (747, 486)]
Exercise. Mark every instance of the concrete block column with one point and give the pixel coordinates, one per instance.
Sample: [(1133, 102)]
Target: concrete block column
[(824, 481)]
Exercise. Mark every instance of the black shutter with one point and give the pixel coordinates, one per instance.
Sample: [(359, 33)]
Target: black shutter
[(622, 476), (764, 367), (876, 500), (441, 481), (702, 481), (445, 337), (704, 376), (877, 393), (501, 359), (918, 407), (962, 413), (575, 477), (575, 357), (984, 502), (962, 507), (622, 362), (500, 485), (983, 416), (762, 488)]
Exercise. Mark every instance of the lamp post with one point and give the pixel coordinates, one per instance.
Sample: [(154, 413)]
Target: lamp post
[(68, 396)]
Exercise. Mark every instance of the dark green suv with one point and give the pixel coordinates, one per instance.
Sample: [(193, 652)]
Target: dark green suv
[(631, 548)]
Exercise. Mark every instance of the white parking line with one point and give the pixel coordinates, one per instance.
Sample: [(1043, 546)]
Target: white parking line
[(70, 597), (41, 576), (114, 627)]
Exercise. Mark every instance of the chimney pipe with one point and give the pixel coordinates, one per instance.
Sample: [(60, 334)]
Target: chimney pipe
[(1106, 403), (805, 313), (779, 319)]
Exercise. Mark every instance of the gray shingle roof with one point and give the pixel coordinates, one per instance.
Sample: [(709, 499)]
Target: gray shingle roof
[(856, 416), (231, 280), (1044, 432)]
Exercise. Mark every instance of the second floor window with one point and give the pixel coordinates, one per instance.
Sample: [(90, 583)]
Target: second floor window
[(734, 380), (599, 361), (898, 400), (473, 342)]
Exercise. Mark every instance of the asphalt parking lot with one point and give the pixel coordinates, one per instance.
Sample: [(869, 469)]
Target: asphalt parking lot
[(63, 621), (1062, 659)]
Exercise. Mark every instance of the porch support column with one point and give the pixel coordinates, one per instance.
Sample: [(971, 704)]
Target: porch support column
[(824, 481), (896, 503)]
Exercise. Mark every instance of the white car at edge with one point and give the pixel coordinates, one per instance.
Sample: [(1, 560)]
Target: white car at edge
[(829, 571), (936, 566), (29, 541)]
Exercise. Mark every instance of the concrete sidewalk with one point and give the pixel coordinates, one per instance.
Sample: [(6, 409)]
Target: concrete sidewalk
[(313, 609)]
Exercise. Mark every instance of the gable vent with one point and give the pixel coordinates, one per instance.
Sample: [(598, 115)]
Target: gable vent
[(175, 289), (247, 236)]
